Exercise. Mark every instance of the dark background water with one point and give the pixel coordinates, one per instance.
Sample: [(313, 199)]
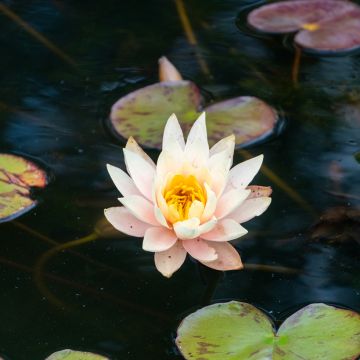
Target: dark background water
[(56, 114)]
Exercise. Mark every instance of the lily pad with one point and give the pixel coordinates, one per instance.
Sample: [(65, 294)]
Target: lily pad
[(324, 25), (75, 355), (17, 176), (237, 330), (143, 114)]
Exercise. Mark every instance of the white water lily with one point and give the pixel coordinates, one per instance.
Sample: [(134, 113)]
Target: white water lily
[(191, 201)]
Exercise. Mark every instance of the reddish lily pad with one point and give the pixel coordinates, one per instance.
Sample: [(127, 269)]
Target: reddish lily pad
[(75, 355), (323, 25), (143, 114), (237, 330), (17, 176)]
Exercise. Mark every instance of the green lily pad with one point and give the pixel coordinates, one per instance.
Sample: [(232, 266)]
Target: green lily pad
[(143, 114), (326, 26), (75, 355), (237, 330), (17, 176)]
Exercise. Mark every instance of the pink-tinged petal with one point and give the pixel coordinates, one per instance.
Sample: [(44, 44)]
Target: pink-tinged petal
[(122, 219), (187, 229), (225, 230), (228, 258), (141, 208), (122, 181), (160, 217), (250, 208), (259, 191), (242, 174), (200, 250), (133, 146), (197, 146), (230, 201), (173, 133), (168, 261), (211, 204), (158, 239), (196, 209), (141, 172)]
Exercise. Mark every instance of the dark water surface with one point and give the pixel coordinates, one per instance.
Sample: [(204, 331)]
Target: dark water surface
[(56, 114)]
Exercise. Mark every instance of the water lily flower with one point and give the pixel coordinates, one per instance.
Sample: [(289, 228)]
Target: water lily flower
[(190, 201)]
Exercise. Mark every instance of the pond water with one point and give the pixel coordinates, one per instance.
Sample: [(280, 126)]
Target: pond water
[(108, 297)]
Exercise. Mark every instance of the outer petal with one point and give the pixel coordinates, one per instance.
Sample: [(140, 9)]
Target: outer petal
[(168, 261), (200, 250), (160, 217), (250, 208), (228, 258), (122, 181), (122, 219), (241, 175), (141, 208), (133, 146), (158, 239), (230, 201), (141, 172), (197, 146), (225, 230), (173, 133)]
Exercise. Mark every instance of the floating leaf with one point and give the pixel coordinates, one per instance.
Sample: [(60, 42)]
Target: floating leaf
[(17, 176), (143, 114), (325, 25), (75, 355), (236, 330)]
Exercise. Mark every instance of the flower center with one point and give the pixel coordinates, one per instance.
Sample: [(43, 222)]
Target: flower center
[(181, 192)]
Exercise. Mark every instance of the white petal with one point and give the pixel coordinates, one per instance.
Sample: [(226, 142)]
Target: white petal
[(141, 172), (200, 250), (133, 146), (211, 203), (228, 258), (158, 239), (187, 229), (230, 201), (141, 208), (250, 208), (225, 230), (122, 181), (168, 261), (242, 174), (168, 162), (121, 219), (196, 209), (197, 146), (173, 133), (227, 144)]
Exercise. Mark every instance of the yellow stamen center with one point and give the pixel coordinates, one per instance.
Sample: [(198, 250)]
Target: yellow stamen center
[(181, 192), (310, 26)]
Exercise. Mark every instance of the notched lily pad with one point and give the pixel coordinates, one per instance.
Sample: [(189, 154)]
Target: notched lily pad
[(143, 113), (75, 355), (17, 177), (328, 26), (237, 330)]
